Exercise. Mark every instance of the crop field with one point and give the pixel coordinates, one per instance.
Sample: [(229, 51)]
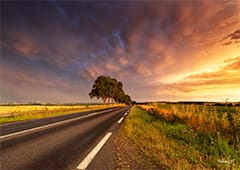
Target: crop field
[(10, 113), (186, 136)]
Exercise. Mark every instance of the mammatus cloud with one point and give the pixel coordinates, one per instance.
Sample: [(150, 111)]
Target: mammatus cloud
[(232, 38), (61, 47)]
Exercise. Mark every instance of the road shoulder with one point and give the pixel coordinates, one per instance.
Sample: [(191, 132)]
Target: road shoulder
[(119, 152), (105, 158), (129, 156)]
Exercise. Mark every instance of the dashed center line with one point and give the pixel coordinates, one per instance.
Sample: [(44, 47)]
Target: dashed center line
[(87, 160)]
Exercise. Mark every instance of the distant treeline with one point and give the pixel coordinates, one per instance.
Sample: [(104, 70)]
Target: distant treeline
[(48, 104), (197, 103)]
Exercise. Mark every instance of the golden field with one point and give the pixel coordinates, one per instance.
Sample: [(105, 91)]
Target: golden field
[(10, 113)]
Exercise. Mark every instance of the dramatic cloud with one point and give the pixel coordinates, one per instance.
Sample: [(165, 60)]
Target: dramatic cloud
[(55, 50), (224, 80), (232, 38)]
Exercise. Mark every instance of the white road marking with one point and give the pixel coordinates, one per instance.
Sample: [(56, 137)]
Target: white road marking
[(127, 112), (120, 120), (53, 124), (87, 160)]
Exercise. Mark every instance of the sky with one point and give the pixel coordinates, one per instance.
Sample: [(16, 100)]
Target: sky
[(177, 50)]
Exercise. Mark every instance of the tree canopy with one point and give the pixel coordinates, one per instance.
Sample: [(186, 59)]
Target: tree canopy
[(109, 89)]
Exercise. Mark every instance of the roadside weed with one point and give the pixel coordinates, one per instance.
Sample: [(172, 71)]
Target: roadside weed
[(168, 136)]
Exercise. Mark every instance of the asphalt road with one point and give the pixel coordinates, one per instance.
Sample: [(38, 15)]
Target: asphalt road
[(59, 143)]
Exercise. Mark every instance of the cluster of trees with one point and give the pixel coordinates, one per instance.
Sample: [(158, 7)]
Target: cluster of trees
[(109, 89)]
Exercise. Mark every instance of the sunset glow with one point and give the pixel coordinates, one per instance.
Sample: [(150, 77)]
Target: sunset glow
[(160, 50)]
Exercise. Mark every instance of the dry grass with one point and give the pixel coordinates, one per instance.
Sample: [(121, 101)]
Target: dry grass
[(219, 119), (12, 113), (172, 143)]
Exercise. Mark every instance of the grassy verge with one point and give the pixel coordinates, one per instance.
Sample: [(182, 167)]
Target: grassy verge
[(27, 112), (175, 145)]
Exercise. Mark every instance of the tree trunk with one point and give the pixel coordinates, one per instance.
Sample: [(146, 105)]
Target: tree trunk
[(104, 100)]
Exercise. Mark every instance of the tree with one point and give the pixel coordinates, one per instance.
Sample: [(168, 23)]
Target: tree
[(100, 88), (113, 89), (127, 99), (109, 88)]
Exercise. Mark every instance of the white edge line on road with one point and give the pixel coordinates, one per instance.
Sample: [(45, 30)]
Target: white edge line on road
[(127, 112), (53, 124), (120, 120), (87, 160)]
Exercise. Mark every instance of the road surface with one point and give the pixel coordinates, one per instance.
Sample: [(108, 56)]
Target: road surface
[(65, 142)]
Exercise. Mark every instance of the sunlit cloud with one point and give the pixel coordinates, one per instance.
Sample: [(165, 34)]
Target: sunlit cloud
[(224, 81), (160, 50), (232, 38)]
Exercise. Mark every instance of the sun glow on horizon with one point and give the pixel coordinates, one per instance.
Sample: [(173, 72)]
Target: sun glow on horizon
[(217, 81), (161, 51)]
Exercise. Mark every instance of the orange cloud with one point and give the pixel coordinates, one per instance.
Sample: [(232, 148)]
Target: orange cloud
[(149, 45), (123, 61), (26, 46), (225, 77), (232, 38)]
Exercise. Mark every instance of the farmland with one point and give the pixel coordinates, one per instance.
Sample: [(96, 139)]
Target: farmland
[(186, 136), (11, 113)]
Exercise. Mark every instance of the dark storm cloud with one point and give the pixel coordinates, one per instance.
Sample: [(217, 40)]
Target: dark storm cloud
[(232, 38), (40, 34), (74, 42)]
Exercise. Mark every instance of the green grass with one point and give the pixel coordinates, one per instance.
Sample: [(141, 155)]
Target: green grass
[(221, 121), (27, 112), (175, 145)]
